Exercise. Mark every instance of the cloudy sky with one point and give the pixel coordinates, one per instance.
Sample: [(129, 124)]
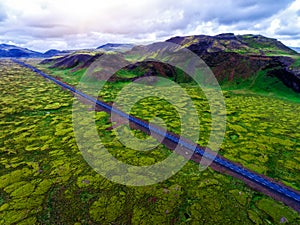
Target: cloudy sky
[(70, 24)]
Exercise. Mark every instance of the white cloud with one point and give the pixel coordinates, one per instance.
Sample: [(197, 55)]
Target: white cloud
[(274, 26), (285, 25), (44, 24)]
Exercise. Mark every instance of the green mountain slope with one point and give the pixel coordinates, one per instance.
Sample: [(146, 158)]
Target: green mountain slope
[(236, 61)]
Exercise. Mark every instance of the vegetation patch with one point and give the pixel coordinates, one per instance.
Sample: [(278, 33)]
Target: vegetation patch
[(45, 179)]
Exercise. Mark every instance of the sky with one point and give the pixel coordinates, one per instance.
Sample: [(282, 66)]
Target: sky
[(69, 24)]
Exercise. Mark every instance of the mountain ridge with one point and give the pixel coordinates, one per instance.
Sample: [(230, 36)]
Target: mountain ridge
[(7, 50), (297, 49), (13, 51), (229, 42), (232, 58), (115, 47)]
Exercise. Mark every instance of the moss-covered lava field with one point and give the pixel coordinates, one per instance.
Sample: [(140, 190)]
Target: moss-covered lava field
[(44, 178)]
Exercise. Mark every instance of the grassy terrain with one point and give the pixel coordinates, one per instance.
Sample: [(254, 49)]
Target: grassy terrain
[(260, 111), (45, 180), (296, 64), (123, 73), (264, 85), (69, 76), (260, 44), (251, 106)]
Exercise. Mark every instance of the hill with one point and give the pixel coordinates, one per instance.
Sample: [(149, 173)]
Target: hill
[(115, 47), (72, 61), (240, 61), (251, 61), (54, 52), (18, 52), (297, 49), (228, 42), (14, 51), (240, 58)]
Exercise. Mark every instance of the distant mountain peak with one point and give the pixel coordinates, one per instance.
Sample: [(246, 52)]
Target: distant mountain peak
[(7, 50), (55, 52), (115, 47), (6, 45), (297, 49)]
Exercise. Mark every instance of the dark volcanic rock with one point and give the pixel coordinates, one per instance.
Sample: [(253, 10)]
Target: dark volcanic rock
[(280, 67), (228, 66)]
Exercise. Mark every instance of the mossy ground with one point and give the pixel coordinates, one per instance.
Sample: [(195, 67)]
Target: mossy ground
[(262, 84), (45, 180)]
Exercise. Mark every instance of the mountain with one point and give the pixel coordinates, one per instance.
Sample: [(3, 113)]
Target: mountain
[(228, 42), (236, 58), (72, 61), (297, 49), (116, 47), (252, 61), (54, 52), (17, 52), (14, 51)]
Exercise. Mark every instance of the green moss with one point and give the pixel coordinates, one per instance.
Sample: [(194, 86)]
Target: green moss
[(264, 85), (26, 203), (13, 216), (241, 197), (124, 73), (296, 63), (254, 217), (10, 188), (107, 210), (52, 106), (43, 187), (4, 207), (84, 181), (277, 211), (45, 179), (23, 191), (208, 182), (28, 221), (14, 177)]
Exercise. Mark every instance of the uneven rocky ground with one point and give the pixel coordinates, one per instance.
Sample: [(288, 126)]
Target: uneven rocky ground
[(45, 180)]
